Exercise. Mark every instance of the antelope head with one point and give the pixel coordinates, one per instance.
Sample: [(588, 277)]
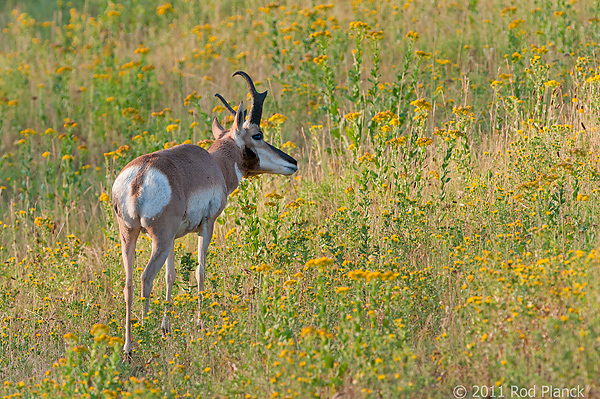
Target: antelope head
[(258, 156)]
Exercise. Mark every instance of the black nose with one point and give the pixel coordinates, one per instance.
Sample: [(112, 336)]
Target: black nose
[(283, 155)]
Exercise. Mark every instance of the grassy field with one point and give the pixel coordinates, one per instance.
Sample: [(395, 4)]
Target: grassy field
[(442, 230)]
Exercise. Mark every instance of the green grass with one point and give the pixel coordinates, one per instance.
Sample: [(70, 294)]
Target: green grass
[(442, 229)]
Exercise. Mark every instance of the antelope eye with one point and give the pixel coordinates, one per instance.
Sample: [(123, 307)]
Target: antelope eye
[(258, 136)]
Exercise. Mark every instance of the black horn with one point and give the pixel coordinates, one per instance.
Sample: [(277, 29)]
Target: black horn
[(226, 104), (257, 99)]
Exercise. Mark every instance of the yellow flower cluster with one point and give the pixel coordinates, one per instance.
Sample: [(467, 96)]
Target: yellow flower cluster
[(367, 157), (132, 113), (28, 132), (162, 113), (172, 127), (367, 275), (423, 54), (352, 116), (230, 233), (461, 110), (130, 65), (164, 9), (398, 141), (100, 333), (63, 69), (118, 152), (142, 50), (359, 25), (296, 204), (375, 34), (273, 195), (190, 97), (424, 141), (277, 119), (316, 35), (320, 60), (421, 105), (318, 263), (384, 117), (413, 35), (593, 79), (516, 23), (311, 331)]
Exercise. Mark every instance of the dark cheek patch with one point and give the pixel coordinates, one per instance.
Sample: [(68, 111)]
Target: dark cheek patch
[(250, 160)]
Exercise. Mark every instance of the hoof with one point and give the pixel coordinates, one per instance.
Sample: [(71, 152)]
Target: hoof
[(127, 357), (165, 326)]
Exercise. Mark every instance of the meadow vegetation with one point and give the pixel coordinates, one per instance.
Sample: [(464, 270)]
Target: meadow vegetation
[(442, 228)]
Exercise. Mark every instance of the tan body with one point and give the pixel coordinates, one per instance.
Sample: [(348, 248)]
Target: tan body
[(170, 193)]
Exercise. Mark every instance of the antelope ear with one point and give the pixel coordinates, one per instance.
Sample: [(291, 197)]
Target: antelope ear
[(217, 129), (238, 122)]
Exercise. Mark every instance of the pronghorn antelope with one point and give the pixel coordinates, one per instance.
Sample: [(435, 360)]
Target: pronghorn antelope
[(170, 193)]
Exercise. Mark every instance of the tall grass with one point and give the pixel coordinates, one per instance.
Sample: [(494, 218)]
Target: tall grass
[(441, 231)]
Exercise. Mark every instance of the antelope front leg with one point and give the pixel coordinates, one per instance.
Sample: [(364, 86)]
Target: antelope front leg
[(170, 279), (204, 238)]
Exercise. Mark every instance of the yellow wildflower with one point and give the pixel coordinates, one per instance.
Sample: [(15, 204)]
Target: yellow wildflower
[(164, 9), (277, 119), (320, 60), (320, 262), (63, 69), (316, 35), (421, 104), (359, 25), (357, 274), (383, 117), (99, 329), (352, 116), (142, 50), (516, 23), (413, 35)]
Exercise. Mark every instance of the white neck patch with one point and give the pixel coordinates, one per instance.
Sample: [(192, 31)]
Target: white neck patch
[(238, 173)]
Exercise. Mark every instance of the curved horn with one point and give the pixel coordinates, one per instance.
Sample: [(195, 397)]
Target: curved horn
[(257, 99), (226, 104)]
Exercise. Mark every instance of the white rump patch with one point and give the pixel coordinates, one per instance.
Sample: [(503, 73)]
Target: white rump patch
[(154, 194), (121, 192)]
